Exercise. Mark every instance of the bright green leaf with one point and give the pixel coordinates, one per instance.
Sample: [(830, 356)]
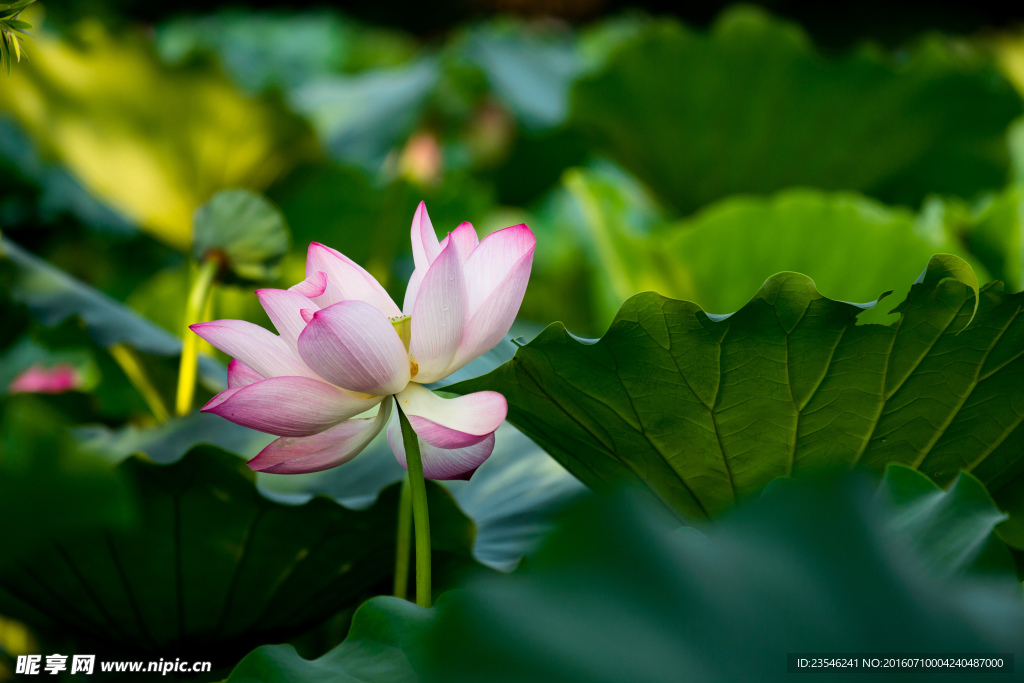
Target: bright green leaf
[(703, 410)]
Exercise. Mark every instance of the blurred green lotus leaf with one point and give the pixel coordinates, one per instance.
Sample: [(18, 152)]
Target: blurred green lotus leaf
[(617, 593), (215, 567), (851, 246), (952, 529), (823, 562), (265, 50), (991, 229), (751, 107), (152, 141), (53, 296), (385, 643), (361, 117), (243, 231), (48, 486), (701, 410)]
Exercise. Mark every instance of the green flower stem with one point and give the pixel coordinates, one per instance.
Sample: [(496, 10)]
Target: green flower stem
[(404, 544), (420, 514), (197, 299), (136, 374)]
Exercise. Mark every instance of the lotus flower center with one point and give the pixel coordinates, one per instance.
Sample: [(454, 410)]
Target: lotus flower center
[(403, 327)]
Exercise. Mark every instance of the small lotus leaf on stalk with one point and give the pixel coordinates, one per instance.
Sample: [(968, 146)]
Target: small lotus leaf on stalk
[(10, 27), (237, 233)]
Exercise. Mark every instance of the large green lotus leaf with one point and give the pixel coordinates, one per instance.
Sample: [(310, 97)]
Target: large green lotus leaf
[(383, 644), (267, 50), (615, 595), (614, 589), (53, 296), (215, 567), (721, 254), (702, 410), (751, 107), (47, 485), (151, 141), (362, 116)]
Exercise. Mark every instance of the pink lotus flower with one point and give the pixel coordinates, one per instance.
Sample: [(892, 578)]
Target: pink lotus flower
[(39, 379), (344, 347)]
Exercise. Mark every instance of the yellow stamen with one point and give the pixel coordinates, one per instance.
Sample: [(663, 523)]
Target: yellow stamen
[(403, 327)]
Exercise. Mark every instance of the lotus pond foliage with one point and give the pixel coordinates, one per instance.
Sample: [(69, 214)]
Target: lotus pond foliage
[(709, 350)]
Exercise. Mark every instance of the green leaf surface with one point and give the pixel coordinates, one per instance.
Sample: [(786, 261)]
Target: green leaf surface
[(47, 485), (215, 567), (244, 230), (616, 595), (751, 107), (386, 633), (53, 296), (703, 410), (727, 250)]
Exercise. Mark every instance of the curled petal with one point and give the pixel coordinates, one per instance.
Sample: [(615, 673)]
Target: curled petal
[(452, 422), (241, 375), (442, 463), (351, 344), (346, 281), (284, 307), (438, 316), (260, 349), (336, 446), (425, 246), (287, 406), (313, 286)]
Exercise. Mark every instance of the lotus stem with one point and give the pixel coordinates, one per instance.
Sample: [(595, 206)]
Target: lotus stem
[(197, 298), (404, 542), (136, 374), (421, 516)]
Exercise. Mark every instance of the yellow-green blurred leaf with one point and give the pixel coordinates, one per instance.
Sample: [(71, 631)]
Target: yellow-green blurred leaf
[(154, 142)]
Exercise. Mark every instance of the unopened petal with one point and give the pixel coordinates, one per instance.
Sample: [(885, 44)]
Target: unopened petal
[(425, 246), (452, 422), (260, 349), (346, 280), (330, 448), (442, 463), (287, 406), (465, 240), (353, 345), (438, 316), (284, 307), (241, 375), (313, 286)]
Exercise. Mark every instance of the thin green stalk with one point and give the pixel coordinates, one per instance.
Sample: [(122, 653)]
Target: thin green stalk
[(404, 545), (421, 516), (136, 374), (197, 298)]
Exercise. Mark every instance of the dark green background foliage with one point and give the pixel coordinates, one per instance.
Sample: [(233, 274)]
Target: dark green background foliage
[(771, 249)]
